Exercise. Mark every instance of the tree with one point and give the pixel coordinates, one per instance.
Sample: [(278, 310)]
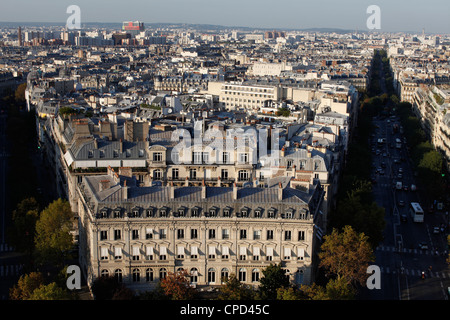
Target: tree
[(24, 288), (346, 255), (53, 239), (176, 286), (20, 93), (233, 289), (274, 277), (104, 288), (50, 291), (24, 217)]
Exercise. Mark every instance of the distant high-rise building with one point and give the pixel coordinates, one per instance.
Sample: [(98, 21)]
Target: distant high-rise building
[(133, 28), (19, 34)]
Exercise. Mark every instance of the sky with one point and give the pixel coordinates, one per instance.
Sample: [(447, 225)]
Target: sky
[(396, 15)]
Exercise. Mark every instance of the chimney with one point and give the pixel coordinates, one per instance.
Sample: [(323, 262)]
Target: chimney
[(186, 182), (120, 146), (280, 192), (219, 182), (125, 190), (235, 191), (282, 152), (171, 191), (203, 190), (255, 182), (95, 143)]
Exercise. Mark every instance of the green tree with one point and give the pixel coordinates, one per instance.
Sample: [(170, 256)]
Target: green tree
[(346, 255), (104, 288), (50, 291), (20, 93), (21, 232), (233, 289), (53, 238), (274, 277)]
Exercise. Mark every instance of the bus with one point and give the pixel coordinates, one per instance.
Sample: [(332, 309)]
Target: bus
[(416, 212)]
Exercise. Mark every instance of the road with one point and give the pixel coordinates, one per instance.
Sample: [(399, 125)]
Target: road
[(399, 257)]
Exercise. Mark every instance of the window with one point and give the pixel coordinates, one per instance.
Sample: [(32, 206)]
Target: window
[(224, 273), (194, 233), (104, 214), (192, 174), (301, 235), (157, 174), (175, 173), (271, 214), (269, 234), (136, 275), (91, 154), (256, 253), (157, 156), (149, 275), (195, 212), (225, 252), (194, 275), (242, 275), (180, 252), (256, 234), (197, 157), (149, 253), (255, 275), (135, 234), (117, 253), (117, 213), (148, 233), (244, 212), (211, 233), (211, 275), (194, 252), (149, 213), (181, 212), (243, 234), (243, 253), (224, 174), (243, 157), (103, 235), (136, 253), (180, 233), (225, 234), (287, 235), (205, 157), (162, 273), (287, 254), (225, 157), (269, 254), (289, 164), (103, 253), (104, 273), (227, 212), (163, 213), (117, 234), (243, 175), (162, 233), (212, 252), (118, 275), (163, 253)]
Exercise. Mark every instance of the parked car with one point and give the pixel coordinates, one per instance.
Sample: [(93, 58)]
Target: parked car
[(401, 203), (403, 217), (436, 230)]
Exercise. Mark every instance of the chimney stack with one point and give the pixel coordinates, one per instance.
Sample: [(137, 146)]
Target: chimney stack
[(171, 191), (235, 191), (203, 190), (280, 192), (125, 190)]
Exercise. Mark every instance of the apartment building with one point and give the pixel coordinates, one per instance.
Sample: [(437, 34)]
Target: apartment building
[(139, 234)]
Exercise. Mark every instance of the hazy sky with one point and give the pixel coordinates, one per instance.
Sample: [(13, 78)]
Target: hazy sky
[(396, 15)]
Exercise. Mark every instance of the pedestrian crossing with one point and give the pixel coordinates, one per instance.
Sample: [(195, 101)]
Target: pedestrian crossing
[(11, 270), (416, 272), (407, 250)]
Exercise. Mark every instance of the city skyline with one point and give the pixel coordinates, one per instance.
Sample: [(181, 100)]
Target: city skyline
[(413, 16)]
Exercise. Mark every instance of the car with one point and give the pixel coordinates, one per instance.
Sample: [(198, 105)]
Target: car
[(404, 217), (382, 172), (384, 154), (400, 170), (413, 187), (436, 230), (405, 188), (400, 176), (423, 246), (401, 203), (396, 161)]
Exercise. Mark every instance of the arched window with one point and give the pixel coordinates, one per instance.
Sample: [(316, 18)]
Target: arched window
[(104, 273), (157, 174), (211, 275), (242, 275), (194, 275), (149, 275), (118, 275), (162, 273), (224, 274), (136, 275), (255, 275)]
